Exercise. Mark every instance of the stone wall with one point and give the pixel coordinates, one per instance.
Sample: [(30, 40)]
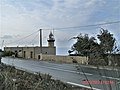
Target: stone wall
[(65, 59)]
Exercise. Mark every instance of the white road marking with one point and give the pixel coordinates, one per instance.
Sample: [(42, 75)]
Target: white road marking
[(80, 85), (111, 77)]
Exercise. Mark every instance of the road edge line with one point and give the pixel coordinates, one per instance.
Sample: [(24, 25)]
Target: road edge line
[(80, 85)]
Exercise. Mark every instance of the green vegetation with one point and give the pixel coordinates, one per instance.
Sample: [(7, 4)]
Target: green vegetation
[(98, 53), (107, 41), (83, 45), (7, 53), (13, 79)]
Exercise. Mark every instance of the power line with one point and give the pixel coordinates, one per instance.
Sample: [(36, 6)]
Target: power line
[(22, 38), (36, 36), (91, 25)]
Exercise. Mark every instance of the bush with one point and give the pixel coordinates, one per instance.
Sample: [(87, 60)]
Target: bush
[(7, 53), (13, 79)]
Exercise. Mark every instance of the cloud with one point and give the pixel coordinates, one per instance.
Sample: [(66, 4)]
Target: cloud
[(7, 37), (39, 13), (26, 16)]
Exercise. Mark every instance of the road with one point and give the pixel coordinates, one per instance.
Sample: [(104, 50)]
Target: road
[(72, 73)]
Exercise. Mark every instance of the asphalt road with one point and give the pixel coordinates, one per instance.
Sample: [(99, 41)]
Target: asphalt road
[(72, 73)]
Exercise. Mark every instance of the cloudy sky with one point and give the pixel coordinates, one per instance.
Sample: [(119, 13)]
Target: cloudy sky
[(19, 18)]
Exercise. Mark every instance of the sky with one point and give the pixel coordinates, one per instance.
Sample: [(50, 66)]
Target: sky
[(20, 18)]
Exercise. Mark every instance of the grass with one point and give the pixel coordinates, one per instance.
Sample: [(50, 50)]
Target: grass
[(14, 79)]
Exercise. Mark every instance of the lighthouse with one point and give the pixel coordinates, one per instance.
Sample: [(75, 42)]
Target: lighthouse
[(51, 40)]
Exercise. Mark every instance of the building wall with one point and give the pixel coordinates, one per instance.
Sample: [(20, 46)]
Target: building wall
[(31, 52), (45, 50)]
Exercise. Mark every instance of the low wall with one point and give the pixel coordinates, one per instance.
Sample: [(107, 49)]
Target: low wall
[(65, 59)]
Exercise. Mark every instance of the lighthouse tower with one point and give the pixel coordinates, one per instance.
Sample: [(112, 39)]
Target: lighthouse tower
[(51, 40)]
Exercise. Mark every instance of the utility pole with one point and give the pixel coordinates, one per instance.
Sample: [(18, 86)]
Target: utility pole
[(0, 55), (40, 40), (2, 44)]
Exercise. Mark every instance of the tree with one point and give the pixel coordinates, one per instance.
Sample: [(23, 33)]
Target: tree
[(107, 41), (69, 51), (96, 52), (97, 56), (83, 44)]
